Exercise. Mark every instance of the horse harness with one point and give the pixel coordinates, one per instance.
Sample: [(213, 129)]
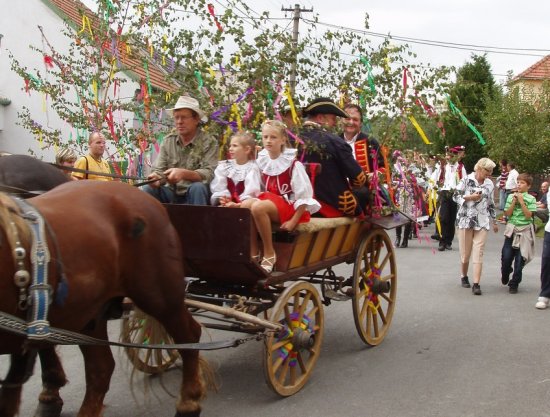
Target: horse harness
[(38, 295)]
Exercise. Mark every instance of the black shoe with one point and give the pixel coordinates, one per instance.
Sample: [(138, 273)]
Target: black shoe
[(504, 279), (435, 236), (465, 282), (448, 246), (476, 290), (513, 290), (397, 242), (405, 244), (441, 247)]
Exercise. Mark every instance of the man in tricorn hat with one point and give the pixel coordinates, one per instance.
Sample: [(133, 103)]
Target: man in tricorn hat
[(187, 158), (339, 168), (446, 176)]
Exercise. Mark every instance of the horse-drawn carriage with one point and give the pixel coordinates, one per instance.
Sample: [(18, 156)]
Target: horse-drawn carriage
[(228, 287), (109, 240)]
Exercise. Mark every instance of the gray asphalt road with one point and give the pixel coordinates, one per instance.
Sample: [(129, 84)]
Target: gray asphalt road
[(448, 353)]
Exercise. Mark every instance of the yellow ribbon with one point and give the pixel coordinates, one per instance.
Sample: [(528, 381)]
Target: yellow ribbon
[(113, 69), (86, 24), (419, 130), (211, 71), (94, 89), (236, 116), (293, 112)]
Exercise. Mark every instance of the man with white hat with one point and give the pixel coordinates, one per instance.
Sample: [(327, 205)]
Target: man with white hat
[(187, 158)]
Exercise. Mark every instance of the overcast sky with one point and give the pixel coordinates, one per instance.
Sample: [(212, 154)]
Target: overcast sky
[(486, 23)]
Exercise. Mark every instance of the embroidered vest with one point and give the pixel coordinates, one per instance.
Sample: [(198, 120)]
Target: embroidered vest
[(235, 189), (279, 184)]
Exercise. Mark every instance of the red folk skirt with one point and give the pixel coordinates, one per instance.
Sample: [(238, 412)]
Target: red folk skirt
[(286, 209)]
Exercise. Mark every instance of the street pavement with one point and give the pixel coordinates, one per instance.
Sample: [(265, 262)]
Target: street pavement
[(448, 354)]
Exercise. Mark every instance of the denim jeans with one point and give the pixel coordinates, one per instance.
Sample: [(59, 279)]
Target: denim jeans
[(545, 267), (502, 198), (511, 255), (197, 194)]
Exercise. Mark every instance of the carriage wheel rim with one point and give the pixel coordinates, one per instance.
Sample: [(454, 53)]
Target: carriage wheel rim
[(373, 304), (290, 355), (142, 329)]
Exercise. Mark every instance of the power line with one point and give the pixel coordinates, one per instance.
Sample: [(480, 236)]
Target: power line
[(441, 44)]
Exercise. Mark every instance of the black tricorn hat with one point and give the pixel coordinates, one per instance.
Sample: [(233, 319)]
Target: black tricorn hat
[(323, 105)]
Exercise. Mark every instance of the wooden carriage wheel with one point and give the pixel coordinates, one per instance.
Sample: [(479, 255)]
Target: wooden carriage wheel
[(290, 355), (374, 286), (143, 329)]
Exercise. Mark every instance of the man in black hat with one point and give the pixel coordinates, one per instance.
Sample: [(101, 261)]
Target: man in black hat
[(447, 176), (339, 169)]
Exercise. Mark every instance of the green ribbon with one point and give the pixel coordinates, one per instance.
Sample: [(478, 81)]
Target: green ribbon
[(370, 77), (456, 111), (199, 79)]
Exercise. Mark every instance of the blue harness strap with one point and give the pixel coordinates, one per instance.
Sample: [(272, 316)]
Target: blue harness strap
[(38, 326)]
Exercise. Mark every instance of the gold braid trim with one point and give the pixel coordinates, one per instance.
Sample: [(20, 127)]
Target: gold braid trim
[(360, 180), (362, 155), (347, 203)]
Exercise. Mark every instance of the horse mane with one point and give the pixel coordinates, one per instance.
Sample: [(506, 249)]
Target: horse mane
[(14, 226)]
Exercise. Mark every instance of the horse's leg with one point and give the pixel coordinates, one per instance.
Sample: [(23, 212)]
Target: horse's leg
[(99, 365), (21, 368), (53, 378), (184, 329)]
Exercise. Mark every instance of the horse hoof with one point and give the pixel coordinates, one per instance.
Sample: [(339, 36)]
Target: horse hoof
[(52, 409)]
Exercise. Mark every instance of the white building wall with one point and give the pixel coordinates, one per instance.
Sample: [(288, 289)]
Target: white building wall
[(19, 22)]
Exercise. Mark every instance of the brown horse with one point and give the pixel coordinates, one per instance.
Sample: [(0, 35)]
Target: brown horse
[(112, 241)]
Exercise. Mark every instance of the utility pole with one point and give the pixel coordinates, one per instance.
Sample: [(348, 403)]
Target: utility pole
[(296, 18)]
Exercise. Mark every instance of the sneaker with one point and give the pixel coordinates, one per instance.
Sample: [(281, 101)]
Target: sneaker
[(513, 290), (504, 279), (476, 290), (465, 282), (448, 246), (542, 303)]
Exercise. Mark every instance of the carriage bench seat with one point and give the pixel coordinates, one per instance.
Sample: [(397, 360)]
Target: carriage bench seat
[(320, 223), (216, 243)]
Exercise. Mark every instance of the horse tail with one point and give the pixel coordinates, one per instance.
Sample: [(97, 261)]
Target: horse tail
[(209, 376)]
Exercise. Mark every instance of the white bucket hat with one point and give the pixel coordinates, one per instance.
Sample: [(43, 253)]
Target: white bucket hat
[(187, 102)]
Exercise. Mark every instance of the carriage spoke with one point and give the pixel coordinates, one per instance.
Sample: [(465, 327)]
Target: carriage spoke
[(374, 323), (278, 345), (303, 307), (312, 312), (284, 370), (287, 314), (385, 261), (277, 363), (382, 314), (364, 308), (293, 374), (386, 297)]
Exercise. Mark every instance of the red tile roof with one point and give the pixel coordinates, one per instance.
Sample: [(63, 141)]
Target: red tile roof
[(73, 9), (537, 71)]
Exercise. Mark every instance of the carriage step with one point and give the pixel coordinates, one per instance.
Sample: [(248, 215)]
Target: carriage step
[(336, 296)]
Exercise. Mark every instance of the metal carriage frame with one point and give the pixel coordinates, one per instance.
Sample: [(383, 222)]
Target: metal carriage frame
[(228, 290)]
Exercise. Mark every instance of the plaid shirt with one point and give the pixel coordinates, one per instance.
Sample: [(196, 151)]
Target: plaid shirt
[(200, 155)]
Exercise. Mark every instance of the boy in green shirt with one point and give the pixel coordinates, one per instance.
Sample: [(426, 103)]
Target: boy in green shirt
[(519, 235)]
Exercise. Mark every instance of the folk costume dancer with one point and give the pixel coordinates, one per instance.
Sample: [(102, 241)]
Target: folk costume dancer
[(447, 176), (237, 179), (340, 174)]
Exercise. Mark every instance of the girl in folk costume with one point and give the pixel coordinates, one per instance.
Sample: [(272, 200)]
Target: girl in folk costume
[(237, 179), (288, 199)]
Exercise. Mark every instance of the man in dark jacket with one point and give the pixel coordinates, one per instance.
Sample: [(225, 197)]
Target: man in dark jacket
[(340, 172)]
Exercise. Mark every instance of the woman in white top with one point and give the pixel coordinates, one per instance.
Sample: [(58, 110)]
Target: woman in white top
[(476, 214)]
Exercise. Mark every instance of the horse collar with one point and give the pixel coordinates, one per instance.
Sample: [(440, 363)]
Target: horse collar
[(40, 291)]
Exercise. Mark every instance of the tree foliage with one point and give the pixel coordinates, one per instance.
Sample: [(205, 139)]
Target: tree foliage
[(473, 88), (519, 130), (235, 61)]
